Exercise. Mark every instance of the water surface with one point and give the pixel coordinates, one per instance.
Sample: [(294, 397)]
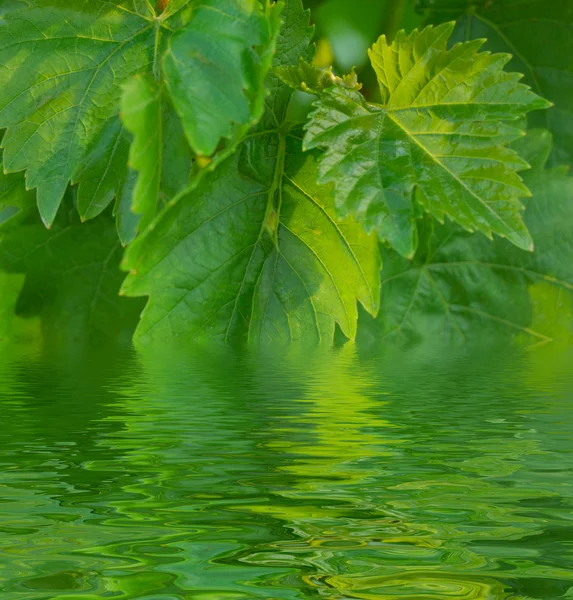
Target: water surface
[(220, 475)]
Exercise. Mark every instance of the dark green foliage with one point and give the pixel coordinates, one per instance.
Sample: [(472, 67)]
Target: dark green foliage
[(72, 276)]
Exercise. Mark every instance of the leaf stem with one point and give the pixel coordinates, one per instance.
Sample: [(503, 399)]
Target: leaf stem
[(392, 18)]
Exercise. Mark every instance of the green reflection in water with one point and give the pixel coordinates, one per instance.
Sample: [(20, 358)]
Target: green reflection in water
[(213, 474)]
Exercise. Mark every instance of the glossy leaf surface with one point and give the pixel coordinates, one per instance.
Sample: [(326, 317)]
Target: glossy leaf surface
[(442, 128)]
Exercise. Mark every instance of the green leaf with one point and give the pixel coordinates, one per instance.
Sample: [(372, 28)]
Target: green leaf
[(539, 36), (443, 128), (223, 264), (293, 44), (255, 250), (63, 69), (103, 172), (142, 116), (61, 76), (460, 285), (311, 79), (212, 72), (159, 158), (71, 278)]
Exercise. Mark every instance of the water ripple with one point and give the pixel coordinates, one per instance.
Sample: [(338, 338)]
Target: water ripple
[(218, 475)]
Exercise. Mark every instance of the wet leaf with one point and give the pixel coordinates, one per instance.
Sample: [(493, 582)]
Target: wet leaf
[(443, 128)]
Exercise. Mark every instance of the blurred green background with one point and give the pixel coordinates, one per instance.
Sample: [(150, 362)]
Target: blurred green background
[(345, 29)]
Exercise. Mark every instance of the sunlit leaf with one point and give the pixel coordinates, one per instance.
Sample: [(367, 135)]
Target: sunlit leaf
[(311, 79), (443, 128)]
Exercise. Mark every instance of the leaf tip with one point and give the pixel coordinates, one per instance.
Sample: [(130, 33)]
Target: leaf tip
[(47, 222)]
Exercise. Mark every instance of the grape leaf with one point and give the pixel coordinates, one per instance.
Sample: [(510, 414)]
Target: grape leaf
[(62, 69), (14, 197), (293, 43), (71, 277), (539, 35), (159, 157), (254, 250), (459, 284), (103, 172), (442, 128), (212, 72), (142, 116)]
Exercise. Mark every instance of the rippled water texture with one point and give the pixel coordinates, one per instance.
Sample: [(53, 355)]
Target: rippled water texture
[(214, 474)]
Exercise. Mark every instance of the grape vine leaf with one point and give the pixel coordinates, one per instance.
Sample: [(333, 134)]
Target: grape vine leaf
[(142, 115), (102, 172), (293, 43), (254, 250), (63, 66), (460, 284), (160, 159), (213, 73), (443, 128), (71, 277), (539, 36)]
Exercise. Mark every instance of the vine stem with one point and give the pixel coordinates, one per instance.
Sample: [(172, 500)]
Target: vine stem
[(393, 16)]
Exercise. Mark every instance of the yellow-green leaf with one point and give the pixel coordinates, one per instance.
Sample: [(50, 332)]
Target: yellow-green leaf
[(443, 129)]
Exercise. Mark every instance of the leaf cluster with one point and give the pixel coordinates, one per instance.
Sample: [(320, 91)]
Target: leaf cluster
[(158, 175)]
